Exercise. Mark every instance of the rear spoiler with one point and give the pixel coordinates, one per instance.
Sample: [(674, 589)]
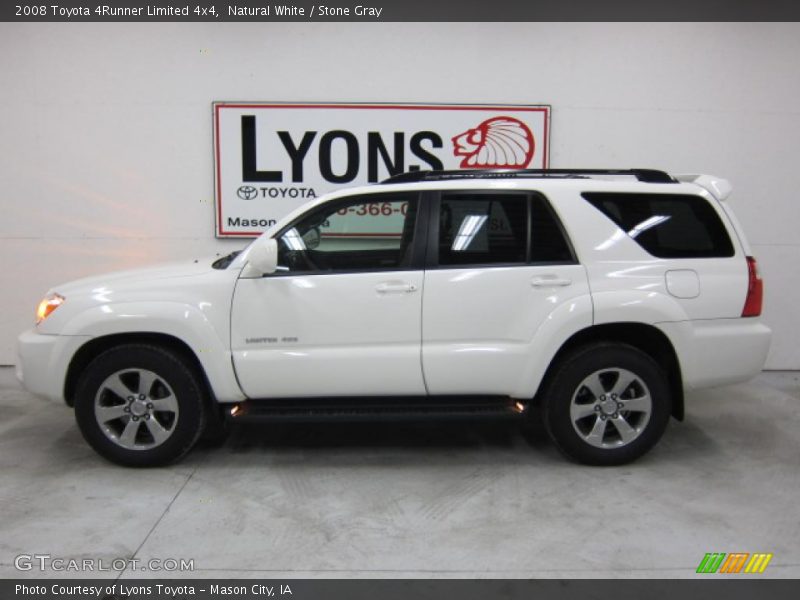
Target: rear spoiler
[(716, 186)]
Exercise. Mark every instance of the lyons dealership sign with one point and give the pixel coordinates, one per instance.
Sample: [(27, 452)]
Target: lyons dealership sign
[(271, 158)]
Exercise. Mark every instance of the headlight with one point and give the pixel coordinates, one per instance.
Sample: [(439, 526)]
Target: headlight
[(48, 305)]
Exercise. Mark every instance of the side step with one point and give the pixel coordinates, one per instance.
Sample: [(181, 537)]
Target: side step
[(376, 409)]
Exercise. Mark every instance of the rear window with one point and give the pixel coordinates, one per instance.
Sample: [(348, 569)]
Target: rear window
[(667, 225)]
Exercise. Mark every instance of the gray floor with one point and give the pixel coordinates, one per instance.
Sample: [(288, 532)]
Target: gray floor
[(391, 500)]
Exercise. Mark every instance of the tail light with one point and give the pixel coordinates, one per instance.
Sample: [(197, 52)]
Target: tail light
[(755, 290)]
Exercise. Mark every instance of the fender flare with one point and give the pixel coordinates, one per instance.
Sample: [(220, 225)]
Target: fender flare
[(177, 320)]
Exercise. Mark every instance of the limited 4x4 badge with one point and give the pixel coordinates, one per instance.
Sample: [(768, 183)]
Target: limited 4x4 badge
[(271, 340)]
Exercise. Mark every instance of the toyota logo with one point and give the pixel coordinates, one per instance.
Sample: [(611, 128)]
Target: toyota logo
[(247, 192)]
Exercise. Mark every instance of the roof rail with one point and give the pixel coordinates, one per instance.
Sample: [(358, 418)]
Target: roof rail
[(644, 175)]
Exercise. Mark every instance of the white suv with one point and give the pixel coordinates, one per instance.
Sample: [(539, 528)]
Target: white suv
[(591, 298)]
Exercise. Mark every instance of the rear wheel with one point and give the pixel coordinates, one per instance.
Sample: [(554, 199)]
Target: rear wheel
[(607, 404), (139, 405)]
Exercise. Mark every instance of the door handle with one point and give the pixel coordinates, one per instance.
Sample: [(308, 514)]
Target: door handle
[(395, 288), (541, 282)]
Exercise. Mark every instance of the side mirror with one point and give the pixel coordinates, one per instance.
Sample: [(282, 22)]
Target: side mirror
[(262, 258), (312, 238)]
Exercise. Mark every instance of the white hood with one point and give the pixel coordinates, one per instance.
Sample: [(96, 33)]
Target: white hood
[(117, 279)]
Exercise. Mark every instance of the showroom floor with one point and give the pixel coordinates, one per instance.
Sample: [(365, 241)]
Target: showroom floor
[(404, 500)]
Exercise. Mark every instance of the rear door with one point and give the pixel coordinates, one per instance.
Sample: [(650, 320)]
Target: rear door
[(498, 265)]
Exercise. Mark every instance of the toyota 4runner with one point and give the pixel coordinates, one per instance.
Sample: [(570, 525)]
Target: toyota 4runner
[(591, 298)]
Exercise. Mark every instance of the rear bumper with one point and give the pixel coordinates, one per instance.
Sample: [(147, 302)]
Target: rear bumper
[(43, 360), (718, 352)]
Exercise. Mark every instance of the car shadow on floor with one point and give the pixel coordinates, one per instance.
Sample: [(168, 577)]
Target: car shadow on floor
[(425, 442), (406, 435)]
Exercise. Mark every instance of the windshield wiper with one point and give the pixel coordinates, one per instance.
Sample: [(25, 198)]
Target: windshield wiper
[(225, 261)]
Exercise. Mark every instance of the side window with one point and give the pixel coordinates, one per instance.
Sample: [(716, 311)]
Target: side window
[(667, 225), (548, 240), (500, 228), (483, 228), (362, 233)]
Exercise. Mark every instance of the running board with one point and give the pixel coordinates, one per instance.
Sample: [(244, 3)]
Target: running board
[(376, 409)]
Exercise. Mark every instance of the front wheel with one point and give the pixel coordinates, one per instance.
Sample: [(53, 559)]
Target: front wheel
[(607, 404), (139, 405)]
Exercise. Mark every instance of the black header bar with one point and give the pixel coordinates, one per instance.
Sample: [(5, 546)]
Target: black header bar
[(397, 10)]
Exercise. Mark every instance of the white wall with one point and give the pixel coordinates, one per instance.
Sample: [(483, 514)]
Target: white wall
[(105, 144)]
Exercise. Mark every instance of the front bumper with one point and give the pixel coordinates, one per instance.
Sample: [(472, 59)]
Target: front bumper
[(43, 361)]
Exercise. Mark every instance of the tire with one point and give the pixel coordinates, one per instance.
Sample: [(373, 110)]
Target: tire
[(140, 405), (606, 404), (217, 428)]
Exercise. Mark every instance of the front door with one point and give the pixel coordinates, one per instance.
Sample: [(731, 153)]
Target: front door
[(342, 315)]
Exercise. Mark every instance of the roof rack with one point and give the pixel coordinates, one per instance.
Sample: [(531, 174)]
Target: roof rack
[(644, 175)]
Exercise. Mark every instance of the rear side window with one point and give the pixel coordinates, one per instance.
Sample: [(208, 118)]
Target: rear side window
[(548, 240), (483, 229), (667, 225), (507, 228)]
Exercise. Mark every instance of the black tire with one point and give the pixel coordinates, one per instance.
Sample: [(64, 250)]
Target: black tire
[(217, 428), (616, 438), (173, 383)]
